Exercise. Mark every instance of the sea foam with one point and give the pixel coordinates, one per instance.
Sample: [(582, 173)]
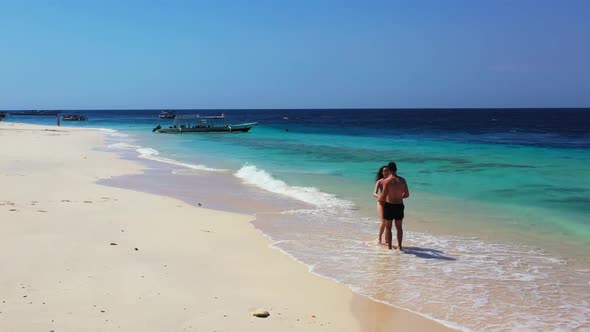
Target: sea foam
[(153, 154), (123, 146), (111, 132), (260, 178)]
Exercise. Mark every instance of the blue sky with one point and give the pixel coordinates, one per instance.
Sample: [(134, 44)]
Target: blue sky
[(294, 54)]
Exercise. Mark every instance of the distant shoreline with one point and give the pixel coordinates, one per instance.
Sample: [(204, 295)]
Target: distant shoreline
[(306, 109)]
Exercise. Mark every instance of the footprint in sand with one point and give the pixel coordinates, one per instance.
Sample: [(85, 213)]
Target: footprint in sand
[(41, 211), (13, 210), (65, 200), (87, 201)]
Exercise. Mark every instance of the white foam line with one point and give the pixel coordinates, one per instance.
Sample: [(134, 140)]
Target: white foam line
[(110, 132), (260, 178), (123, 146), (153, 154)]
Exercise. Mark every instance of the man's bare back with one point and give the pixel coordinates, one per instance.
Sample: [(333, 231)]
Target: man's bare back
[(395, 189)]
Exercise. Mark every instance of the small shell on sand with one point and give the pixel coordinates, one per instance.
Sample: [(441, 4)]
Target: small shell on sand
[(261, 313)]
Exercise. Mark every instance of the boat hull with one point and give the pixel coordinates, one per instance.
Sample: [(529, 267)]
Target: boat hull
[(241, 128)]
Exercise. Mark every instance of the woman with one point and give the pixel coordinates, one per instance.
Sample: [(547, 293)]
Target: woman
[(382, 174)]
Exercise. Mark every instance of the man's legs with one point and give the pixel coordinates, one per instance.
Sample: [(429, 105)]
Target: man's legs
[(400, 232), (388, 235)]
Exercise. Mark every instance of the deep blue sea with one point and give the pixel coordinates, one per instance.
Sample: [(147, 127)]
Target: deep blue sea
[(497, 224)]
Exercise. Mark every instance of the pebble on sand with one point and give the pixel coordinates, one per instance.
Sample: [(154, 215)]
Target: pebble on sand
[(261, 313)]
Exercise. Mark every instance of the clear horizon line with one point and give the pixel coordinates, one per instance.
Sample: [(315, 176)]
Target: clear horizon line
[(291, 109)]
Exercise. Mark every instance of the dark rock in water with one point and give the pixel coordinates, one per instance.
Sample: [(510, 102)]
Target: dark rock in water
[(199, 204), (261, 313)]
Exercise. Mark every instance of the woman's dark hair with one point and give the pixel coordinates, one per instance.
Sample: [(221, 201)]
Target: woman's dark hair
[(379, 175)]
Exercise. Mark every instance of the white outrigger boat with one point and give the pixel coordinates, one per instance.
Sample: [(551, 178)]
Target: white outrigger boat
[(203, 124)]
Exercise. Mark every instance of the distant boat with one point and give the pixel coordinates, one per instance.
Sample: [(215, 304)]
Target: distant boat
[(45, 113), (203, 124), (74, 117), (167, 114)]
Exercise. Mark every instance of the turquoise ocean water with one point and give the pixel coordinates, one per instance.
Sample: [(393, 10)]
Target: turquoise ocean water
[(497, 225)]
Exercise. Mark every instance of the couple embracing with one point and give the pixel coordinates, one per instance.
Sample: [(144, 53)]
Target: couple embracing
[(390, 190)]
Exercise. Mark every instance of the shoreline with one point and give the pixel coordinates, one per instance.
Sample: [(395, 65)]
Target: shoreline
[(316, 266), (33, 159), (433, 214)]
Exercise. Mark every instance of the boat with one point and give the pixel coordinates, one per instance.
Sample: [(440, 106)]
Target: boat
[(35, 112), (167, 114), (203, 124), (74, 117)]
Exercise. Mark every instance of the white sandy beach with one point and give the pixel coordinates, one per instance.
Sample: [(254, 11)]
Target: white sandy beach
[(78, 256)]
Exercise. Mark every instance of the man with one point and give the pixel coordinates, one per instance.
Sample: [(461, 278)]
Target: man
[(395, 189)]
